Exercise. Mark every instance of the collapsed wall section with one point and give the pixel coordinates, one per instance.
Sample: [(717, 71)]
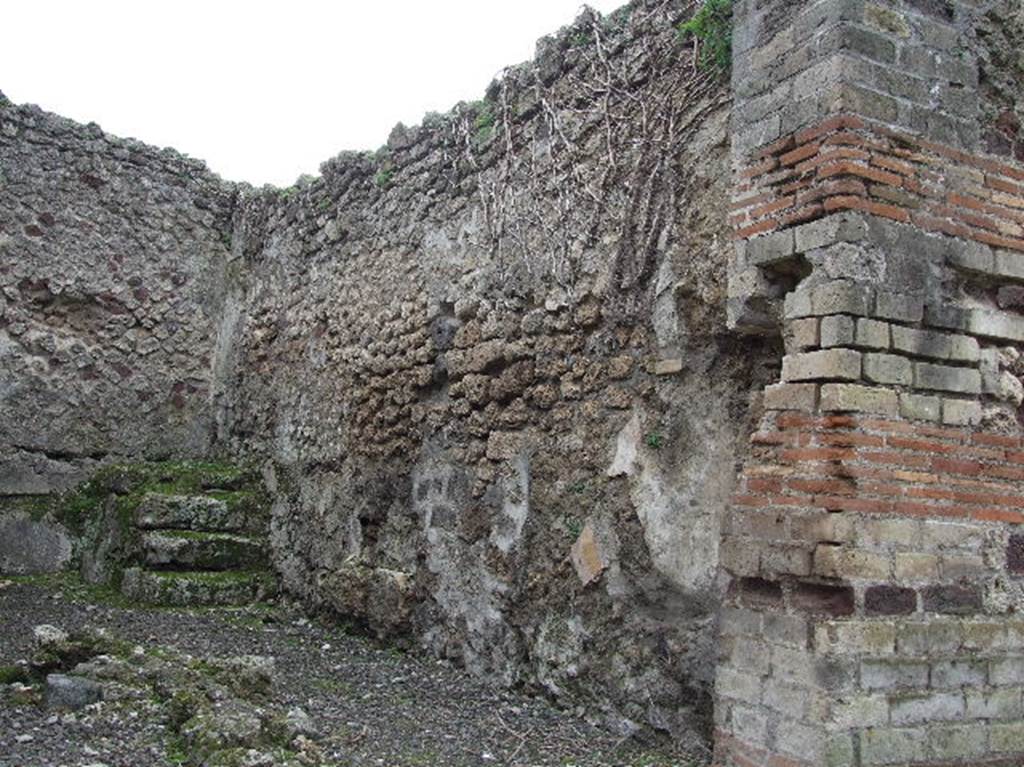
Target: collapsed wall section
[(873, 546), (112, 256), (489, 369)]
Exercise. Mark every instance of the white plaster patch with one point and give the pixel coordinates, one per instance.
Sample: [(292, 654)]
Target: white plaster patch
[(627, 444), (516, 504)]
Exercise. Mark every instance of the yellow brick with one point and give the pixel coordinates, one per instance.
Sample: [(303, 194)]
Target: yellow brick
[(916, 567), (839, 562)]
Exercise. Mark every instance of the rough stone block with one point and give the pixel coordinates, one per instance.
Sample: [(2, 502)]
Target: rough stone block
[(889, 533), (588, 557), (1007, 738), (791, 630), (823, 599), (840, 227), (841, 297), (758, 592), (927, 638), (861, 711), (875, 46), (739, 685), (952, 599), (800, 335), (942, 534), (1009, 264), (972, 257), (750, 724), (785, 560), (998, 325), (750, 655), (799, 740), (889, 745), (984, 636), (739, 557), (837, 330), (946, 378), (791, 666), (886, 20), (185, 512), (798, 304), (865, 102), (920, 407), (822, 527), (840, 751), (30, 547), (946, 316), (929, 343), (890, 600), (997, 704), (915, 566), (859, 399), (786, 698), (737, 621), (851, 637), (964, 349), (961, 412), (771, 248), (1007, 671), (950, 743), (840, 562), (668, 367), (900, 307), (803, 397), (872, 334), (893, 674), (957, 567), (927, 707), (829, 364), (1015, 554), (71, 692), (888, 369), (959, 673)]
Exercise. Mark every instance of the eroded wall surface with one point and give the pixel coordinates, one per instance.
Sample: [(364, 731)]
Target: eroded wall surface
[(488, 368), (112, 261)]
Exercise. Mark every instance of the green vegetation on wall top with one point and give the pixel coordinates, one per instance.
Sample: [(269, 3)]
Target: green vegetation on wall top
[(484, 122), (712, 26)]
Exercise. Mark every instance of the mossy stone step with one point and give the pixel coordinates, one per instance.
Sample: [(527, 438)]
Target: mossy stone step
[(199, 513), (187, 550), (194, 589)]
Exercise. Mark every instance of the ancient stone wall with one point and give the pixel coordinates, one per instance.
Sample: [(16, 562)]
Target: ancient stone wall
[(489, 367), (872, 616), (500, 375), (112, 262)]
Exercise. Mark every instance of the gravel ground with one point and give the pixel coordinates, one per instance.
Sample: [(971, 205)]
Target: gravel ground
[(377, 706)]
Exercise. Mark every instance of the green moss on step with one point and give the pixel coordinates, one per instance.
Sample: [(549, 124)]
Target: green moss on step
[(192, 535), (73, 589), (33, 506), (213, 578)]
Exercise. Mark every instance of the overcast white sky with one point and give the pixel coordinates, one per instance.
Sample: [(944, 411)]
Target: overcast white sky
[(264, 91)]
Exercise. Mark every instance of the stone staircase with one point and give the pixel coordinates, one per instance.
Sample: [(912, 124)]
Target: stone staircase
[(183, 534)]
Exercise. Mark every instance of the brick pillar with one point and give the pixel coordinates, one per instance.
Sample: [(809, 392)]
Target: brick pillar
[(874, 548)]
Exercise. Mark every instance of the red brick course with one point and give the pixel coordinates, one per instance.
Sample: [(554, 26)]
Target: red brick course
[(845, 163), (883, 467)]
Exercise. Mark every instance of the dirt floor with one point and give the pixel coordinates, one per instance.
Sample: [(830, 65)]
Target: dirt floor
[(371, 704)]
